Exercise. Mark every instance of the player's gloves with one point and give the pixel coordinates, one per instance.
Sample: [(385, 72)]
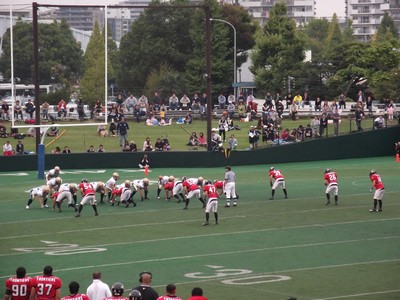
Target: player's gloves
[(370, 190)]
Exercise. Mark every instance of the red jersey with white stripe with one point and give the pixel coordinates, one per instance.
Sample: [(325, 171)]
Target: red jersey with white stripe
[(211, 191), (169, 298), (87, 188), (46, 286), (377, 181), (19, 288), (219, 184), (331, 177), (190, 186), (76, 297), (276, 174), (169, 186)]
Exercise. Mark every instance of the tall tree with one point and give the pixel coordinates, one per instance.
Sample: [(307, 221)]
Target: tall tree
[(59, 57), (279, 50), (387, 29), (93, 80)]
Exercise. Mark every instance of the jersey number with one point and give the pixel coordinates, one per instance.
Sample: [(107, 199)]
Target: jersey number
[(44, 289), (19, 290)]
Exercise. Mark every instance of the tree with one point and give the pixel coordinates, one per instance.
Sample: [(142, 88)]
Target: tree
[(387, 29), (93, 80), (279, 50), (59, 53)]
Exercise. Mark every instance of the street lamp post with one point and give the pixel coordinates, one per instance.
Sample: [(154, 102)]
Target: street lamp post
[(234, 55)]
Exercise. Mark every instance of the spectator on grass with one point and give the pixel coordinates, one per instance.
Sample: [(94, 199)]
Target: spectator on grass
[(193, 141), (56, 150), (19, 149), (102, 131), (197, 294), (91, 149), (101, 149), (147, 145), (148, 293), (202, 140), (66, 150), (7, 149), (159, 145), (122, 129), (98, 290)]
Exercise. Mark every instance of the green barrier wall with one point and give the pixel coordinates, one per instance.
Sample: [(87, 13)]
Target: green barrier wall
[(357, 145)]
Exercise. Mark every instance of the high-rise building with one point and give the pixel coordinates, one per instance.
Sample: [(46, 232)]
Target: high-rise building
[(82, 18), (367, 15), (302, 11)]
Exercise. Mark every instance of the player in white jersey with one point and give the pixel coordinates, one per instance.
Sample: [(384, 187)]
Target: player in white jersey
[(162, 180), (109, 186), (39, 192), (53, 173), (140, 185), (66, 191), (53, 185), (99, 187)]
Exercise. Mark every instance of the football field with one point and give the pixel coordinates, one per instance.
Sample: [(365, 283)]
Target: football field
[(262, 249)]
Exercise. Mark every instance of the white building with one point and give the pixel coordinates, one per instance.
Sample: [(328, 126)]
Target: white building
[(302, 11), (367, 15)]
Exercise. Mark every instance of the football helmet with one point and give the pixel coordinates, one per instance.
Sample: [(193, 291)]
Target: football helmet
[(115, 174), (46, 189), (117, 289), (184, 178), (57, 169), (135, 295), (58, 180), (372, 172), (171, 178), (100, 184), (127, 183), (84, 180), (271, 169), (146, 181), (200, 179), (328, 170), (72, 186)]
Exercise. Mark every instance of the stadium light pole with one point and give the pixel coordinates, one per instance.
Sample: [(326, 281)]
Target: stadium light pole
[(234, 55)]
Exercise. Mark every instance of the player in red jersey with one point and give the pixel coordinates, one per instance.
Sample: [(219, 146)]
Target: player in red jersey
[(193, 190), (220, 186), (212, 203), (330, 180), (276, 180), (117, 291), (74, 292), (170, 293), (176, 187), (379, 190), (88, 195), (46, 286), (197, 294), (19, 286)]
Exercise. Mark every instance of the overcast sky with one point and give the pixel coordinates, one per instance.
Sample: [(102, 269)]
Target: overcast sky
[(324, 8)]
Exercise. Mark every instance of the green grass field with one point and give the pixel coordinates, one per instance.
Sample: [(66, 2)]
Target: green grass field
[(261, 249)]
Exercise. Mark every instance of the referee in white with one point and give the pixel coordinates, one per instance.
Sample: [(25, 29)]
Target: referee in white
[(230, 187)]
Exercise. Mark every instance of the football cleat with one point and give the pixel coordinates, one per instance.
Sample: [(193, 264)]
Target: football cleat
[(27, 207), (205, 224)]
